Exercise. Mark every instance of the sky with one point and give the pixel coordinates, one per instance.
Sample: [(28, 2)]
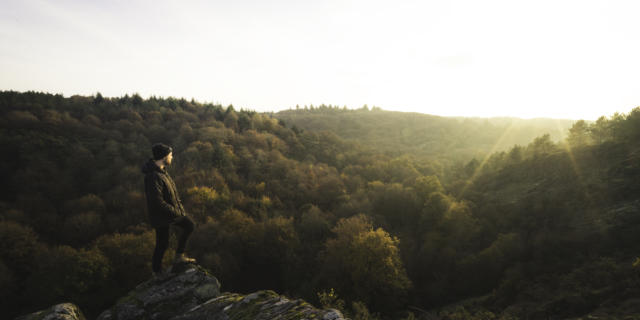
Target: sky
[(558, 59)]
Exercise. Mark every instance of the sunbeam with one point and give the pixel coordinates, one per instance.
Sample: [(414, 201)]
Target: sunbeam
[(574, 164), (484, 161)]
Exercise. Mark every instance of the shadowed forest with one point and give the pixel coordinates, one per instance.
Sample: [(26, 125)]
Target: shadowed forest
[(381, 214)]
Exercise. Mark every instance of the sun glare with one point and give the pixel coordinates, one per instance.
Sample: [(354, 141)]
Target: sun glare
[(453, 58)]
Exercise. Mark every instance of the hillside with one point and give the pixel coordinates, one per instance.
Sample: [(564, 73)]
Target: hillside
[(546, 229), (432, 137), (566, 225)]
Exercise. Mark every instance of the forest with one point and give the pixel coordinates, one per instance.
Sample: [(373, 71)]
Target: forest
[(449, 221)]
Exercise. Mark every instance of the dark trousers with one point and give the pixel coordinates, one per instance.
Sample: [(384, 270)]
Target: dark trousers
[(162, 240)]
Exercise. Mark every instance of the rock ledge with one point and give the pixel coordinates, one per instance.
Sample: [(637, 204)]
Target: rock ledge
[(190, 292)]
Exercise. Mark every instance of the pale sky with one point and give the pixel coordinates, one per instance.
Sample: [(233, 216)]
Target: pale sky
[(562, 58)]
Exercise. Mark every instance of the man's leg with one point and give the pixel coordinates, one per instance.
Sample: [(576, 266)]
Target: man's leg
[(187, 225), (162, 243)]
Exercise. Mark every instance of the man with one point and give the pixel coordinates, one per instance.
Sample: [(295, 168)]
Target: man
[(165, 207)]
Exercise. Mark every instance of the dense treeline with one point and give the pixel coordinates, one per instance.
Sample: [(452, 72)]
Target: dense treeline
[(565, 221), (541, 229)]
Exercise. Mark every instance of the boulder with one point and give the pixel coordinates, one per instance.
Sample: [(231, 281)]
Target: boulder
[(190, 292), (187, 286)]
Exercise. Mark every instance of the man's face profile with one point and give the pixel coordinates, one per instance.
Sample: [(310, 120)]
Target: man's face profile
[(168, 159)]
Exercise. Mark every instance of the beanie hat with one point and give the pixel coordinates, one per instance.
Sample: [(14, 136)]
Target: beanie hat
[(160, 151)]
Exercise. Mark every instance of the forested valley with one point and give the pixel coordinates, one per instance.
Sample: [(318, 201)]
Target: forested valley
[(382, 215)]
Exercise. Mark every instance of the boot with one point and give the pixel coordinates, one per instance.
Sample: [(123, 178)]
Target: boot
[(181, 258)]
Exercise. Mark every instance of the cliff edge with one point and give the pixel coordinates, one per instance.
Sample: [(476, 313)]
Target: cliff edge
[(190, 292)]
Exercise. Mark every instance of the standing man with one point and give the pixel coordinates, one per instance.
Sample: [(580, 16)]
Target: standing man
[(164, 206)]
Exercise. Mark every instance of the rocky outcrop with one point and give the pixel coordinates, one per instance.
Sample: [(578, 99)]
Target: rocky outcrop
[(190, 292), (63, 311)]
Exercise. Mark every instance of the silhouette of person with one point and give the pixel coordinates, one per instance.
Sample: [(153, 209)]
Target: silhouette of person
[(164, 207)]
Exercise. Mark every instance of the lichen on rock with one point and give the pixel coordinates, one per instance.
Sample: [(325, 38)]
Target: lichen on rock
[(62, 311)]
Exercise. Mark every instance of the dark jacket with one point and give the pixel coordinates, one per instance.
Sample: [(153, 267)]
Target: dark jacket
[(163, 201)]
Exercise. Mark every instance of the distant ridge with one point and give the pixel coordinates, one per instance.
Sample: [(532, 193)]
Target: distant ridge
[(424, 135)]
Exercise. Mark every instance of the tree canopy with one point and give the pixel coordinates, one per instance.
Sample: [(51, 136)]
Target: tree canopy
[(390, 212)]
